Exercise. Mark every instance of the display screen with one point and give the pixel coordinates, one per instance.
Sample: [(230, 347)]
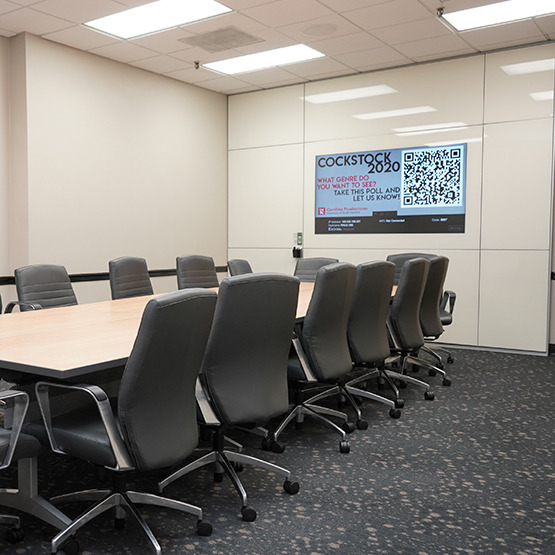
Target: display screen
[(405, 190)]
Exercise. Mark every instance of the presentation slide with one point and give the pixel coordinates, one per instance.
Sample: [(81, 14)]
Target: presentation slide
[(405, 190)]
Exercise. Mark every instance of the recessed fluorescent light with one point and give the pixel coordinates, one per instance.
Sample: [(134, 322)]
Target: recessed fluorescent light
[(156, 16), (501, 12), (263, 60), (542, 95), (396, 113), (523, 68), (349, 94), (434, 128)]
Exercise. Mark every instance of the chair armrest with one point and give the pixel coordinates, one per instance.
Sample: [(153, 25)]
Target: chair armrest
[(448, 296), (12, 304), (301, 355), (20, 401), (102, 402), (205, 408)]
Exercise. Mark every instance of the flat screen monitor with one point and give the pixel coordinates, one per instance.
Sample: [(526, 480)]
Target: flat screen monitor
[(404, 190)]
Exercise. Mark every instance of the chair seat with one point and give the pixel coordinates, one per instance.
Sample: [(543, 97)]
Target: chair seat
[(26, 448)]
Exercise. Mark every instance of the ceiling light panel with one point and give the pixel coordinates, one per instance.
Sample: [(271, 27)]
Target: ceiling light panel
[(156, 16)]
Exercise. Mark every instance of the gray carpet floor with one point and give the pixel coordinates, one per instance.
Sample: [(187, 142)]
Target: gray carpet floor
[(470, 472)]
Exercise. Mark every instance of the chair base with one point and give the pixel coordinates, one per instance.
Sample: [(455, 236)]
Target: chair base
[(227, 462), (124, 502)]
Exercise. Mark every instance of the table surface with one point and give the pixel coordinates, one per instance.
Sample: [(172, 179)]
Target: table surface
[(70, 341)]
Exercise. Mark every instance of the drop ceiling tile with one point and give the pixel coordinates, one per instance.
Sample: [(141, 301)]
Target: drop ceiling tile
[(546, 24), (123, 51), (287, 12), (165, 41), (6, 6), (411, 31), (31, 21), (79, 12), (269, 77), (339, 45), (246, 24), (81, 37), (437, 47), (341, 6), (312, 68), (377, 58), (161, 64), (244, 4), (7, 34), (498, 35), (391, 13), (321, 28)]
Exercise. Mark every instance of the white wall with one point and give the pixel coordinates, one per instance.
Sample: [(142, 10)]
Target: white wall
[(112, 160), (500, 266)]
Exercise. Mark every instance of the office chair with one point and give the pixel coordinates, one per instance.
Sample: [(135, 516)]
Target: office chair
[(237, 267), (15, 446), (42, 286), (406, 337), (244, 371), (306, 268), (320, 357), (129, 277), (196, 271), (152, 426), (448, 298)]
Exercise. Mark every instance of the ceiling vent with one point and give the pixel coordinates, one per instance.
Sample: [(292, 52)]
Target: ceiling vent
[(226, 38)]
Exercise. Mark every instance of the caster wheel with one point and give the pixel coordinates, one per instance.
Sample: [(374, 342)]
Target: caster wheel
[(348, 427), (248, 514), (237, 466), (119, 523), (267, 443), (395, 413), (278, 447), (291, 487), (399, 403), (70, 547), (429, 396), (218, 477), (446, 382), (344, 447), (362, 424), (431, 372), (204, 528), (450, 359), (14, 535)]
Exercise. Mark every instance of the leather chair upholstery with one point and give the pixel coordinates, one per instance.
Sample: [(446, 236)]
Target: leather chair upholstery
[(306, 268), (237, 267), (129, 277), (196, 271), (153, 424), (244, 371)]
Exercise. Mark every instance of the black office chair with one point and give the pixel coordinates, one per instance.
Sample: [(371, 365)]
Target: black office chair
[(196, 271), (42, 286), (367, 330), (400, 259), (320, 357), (406, 336), (129, 277), (244, 371), (154, 423), (237, 267), (15, 446), (307, 268)]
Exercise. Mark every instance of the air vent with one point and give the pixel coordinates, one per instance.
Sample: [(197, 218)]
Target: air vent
[(226, 38)]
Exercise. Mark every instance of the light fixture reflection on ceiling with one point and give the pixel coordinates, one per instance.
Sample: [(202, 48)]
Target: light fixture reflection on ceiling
[(542, 95), (396, 113), (348, 94), (156, 16), (496, 14), (456, 141), (264, 60), (535, 66), (434, 128)]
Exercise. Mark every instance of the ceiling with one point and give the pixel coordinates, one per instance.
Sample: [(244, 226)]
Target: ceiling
[(355, 35)]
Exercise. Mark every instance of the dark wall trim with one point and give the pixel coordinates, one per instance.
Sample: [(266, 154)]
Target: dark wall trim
[(104, 276)]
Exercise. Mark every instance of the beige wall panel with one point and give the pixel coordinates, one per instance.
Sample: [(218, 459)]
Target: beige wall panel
[(444, 93), (406, 242), (272, 117), (517, 194), (514, 299), (121, 162), (4, 157), (519, 84), (265, 196)]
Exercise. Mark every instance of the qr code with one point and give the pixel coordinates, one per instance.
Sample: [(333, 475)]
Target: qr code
[(432, 177)]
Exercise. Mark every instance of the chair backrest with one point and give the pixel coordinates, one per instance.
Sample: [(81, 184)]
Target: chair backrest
[(238, 267), (245, 366), (156, 400), (306, 268), (430, 316), (367, 328), (196, 271), (45, 284), (324, 330), (400, 259), (129, 277), (404, 313)]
